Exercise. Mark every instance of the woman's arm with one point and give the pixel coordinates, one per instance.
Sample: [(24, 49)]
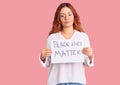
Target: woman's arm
[(45, 57), (88, 51)]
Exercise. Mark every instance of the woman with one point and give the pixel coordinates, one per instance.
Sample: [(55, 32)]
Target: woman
[(67, 26)]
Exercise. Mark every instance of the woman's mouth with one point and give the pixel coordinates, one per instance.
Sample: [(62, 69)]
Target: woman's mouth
[(66, 22)]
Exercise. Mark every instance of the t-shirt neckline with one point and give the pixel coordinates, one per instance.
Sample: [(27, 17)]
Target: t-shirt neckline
[(70, 37)]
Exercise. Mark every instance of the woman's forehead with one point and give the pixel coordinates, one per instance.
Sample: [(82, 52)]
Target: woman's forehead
[(65, 10)]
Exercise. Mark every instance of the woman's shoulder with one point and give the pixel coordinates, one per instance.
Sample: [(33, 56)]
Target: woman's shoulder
[(81, 33), (53, 35)]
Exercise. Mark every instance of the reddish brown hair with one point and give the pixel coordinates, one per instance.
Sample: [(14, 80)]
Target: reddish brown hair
[(57, 26)]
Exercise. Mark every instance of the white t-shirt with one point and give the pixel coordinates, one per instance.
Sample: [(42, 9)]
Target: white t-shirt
[(67, 72)]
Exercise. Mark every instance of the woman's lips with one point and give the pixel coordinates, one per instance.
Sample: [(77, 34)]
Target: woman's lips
[(67, 22)]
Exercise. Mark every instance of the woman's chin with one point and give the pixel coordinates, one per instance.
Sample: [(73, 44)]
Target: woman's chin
[(67, 25)]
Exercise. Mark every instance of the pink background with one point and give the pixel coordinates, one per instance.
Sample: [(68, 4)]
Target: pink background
[(24, 25)]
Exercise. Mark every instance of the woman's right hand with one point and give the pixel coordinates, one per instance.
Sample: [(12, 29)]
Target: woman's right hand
[(45, 53)]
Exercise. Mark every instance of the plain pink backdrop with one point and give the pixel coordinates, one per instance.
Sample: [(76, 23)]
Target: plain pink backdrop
[(24, 26)]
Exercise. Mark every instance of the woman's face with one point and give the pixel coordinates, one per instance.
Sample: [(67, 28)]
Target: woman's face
[(66, 17)]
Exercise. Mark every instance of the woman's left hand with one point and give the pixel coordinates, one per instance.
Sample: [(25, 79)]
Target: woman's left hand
[(88, 51)]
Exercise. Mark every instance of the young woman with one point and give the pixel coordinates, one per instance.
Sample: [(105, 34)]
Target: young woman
[(67, 26)]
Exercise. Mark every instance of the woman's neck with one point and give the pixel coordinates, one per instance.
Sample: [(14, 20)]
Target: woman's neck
[(68, 30)]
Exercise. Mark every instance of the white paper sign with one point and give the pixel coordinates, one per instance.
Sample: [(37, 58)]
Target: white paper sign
[(67, 51)]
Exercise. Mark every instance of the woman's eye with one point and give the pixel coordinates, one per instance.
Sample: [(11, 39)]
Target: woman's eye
[(70, 14), (61, 15)]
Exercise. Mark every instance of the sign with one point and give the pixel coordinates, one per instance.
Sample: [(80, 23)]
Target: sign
[(67, 51)]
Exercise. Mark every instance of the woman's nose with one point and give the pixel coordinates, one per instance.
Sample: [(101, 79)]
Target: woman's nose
[(66, 17)]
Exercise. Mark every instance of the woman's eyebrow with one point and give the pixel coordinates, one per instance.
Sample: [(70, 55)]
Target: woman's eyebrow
[(67, 12), (62, 13)]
